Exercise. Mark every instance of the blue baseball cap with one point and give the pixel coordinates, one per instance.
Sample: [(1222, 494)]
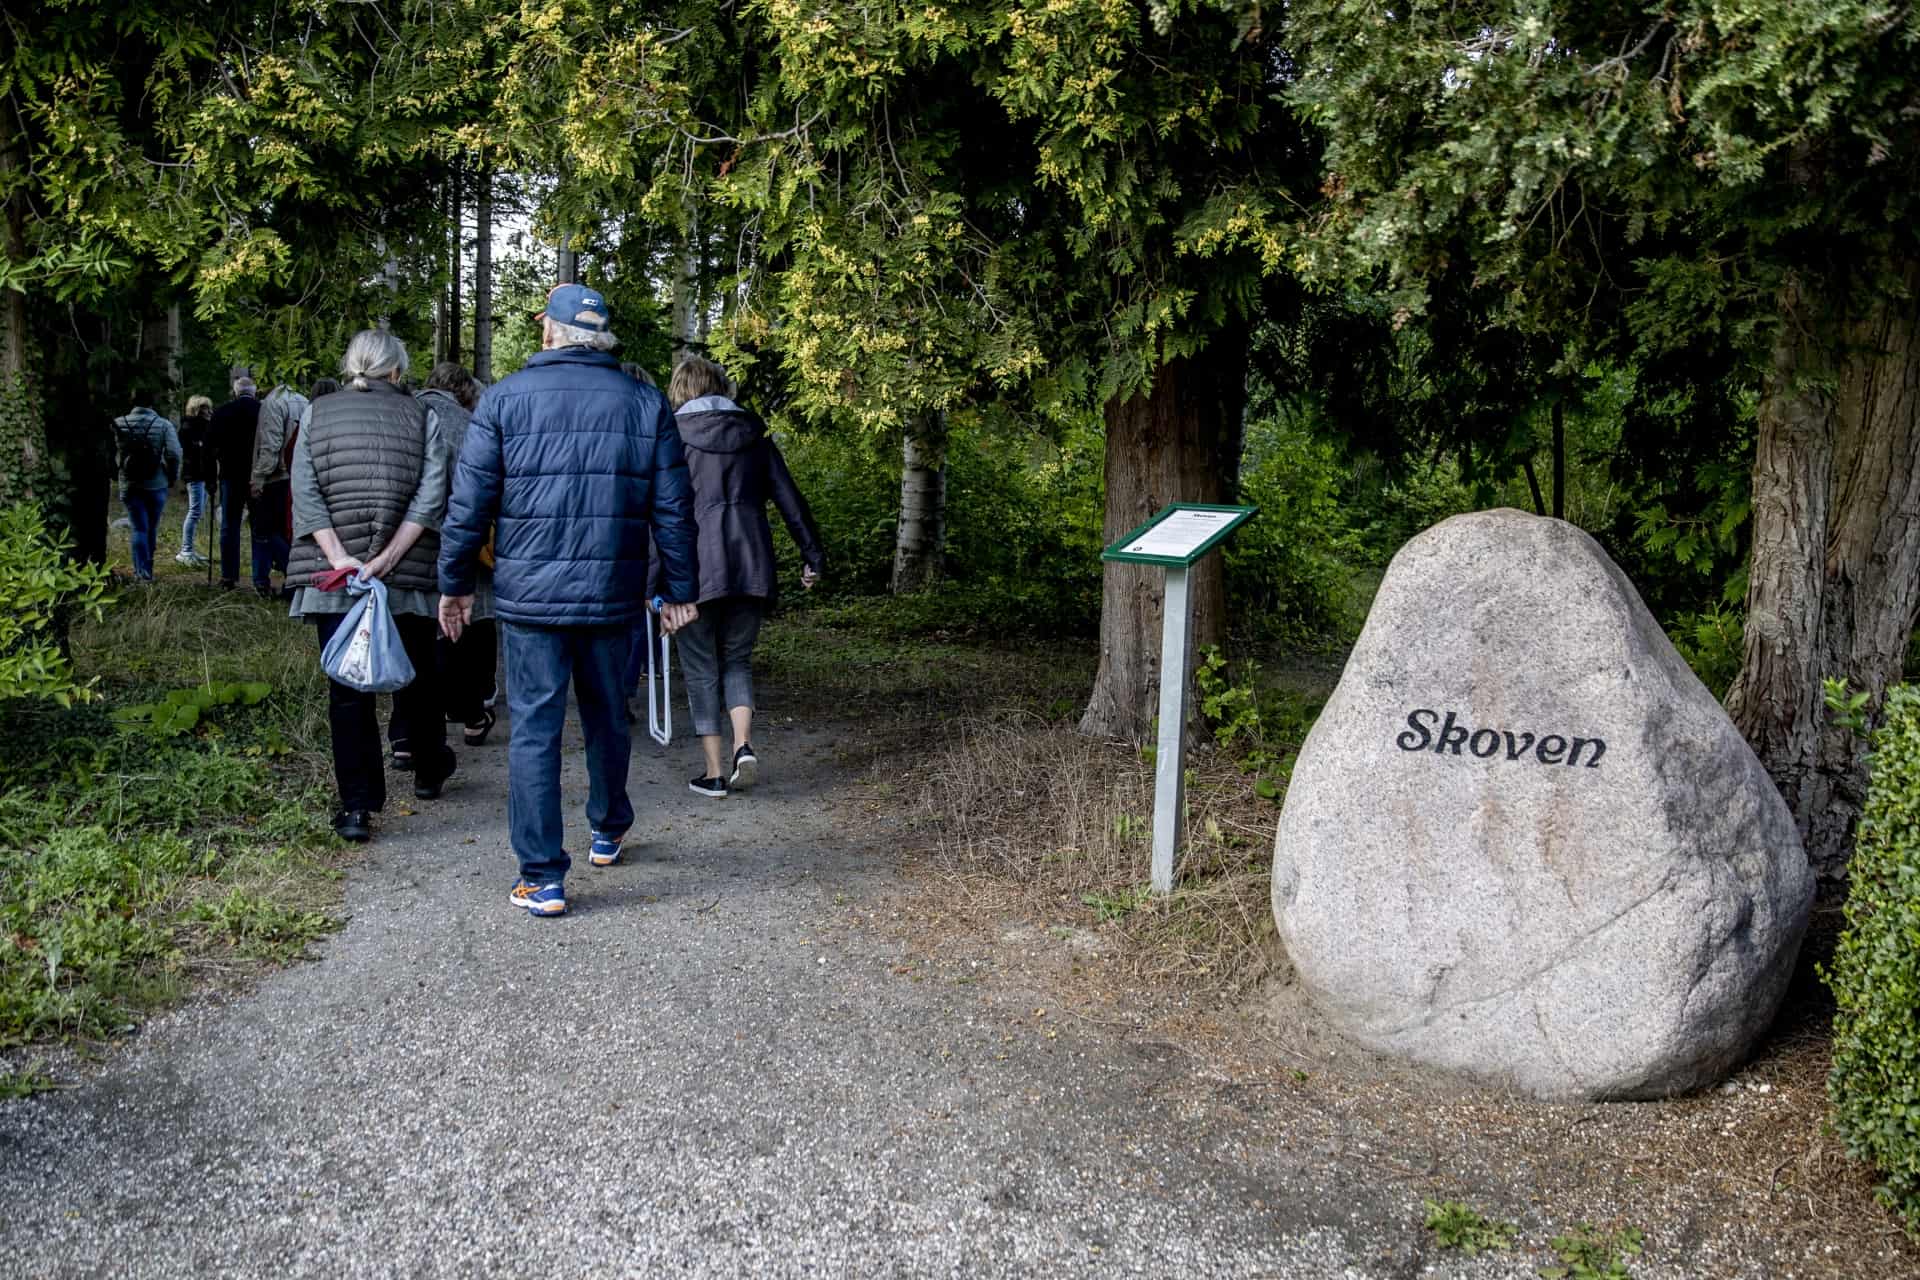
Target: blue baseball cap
[(579, 306)]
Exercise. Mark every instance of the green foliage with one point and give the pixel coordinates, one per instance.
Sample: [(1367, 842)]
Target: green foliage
[(1713, 643), (1844, 707), (1874, 1086), (41, 591), (1263, 729), (1121, 904), (182, 709), (1459, 1226), (1289, 569), (24, 1083), (1588, 1254)]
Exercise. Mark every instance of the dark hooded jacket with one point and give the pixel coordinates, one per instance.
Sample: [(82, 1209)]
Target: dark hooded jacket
[(736, 470)]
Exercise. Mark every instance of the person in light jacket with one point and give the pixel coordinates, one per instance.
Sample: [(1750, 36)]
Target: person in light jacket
[(197, 468), (149, 464), (369, 477), (736, 470)]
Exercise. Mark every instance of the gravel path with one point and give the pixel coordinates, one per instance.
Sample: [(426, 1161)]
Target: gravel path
[(700, 1071)]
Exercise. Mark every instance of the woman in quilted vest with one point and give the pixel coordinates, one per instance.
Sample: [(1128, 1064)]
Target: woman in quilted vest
[(370, 475)]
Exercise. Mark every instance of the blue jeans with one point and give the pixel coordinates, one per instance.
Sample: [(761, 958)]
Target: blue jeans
[(267, 518), (143, 516), (540, 663), (196, 508)]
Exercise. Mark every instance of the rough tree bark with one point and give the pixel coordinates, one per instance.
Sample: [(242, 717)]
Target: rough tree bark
[(920, 544), (1180, 442), (483, 277), (1835, 577)]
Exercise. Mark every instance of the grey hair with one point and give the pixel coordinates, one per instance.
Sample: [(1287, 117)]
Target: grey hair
[(571, 335), (374, 355)]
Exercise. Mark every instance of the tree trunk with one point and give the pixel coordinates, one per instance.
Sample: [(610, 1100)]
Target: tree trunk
[(1835, 577), (456, 318), (1180, 442), (686, 286), (920, 545), (22, 462), (1560, 458), (566, 263), (483, 278)]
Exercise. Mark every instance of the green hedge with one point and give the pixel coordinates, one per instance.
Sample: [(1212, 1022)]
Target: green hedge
[(1875, 974)]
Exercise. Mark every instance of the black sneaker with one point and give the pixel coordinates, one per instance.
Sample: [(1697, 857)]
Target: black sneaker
[(715, 787), (353, 824), (427, 786), (746, 766)]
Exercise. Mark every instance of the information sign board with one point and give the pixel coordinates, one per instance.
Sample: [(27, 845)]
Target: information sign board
[(1180, 534)]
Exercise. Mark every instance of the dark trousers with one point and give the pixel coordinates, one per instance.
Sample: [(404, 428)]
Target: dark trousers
[(267, 519), (541, 662), (233, 499), (466, 670), (359, 763)]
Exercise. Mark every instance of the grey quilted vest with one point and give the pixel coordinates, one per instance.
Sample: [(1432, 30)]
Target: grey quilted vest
[(368, 449)]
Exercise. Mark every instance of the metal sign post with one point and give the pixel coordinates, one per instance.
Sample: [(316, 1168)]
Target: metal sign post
[(1176, 539)]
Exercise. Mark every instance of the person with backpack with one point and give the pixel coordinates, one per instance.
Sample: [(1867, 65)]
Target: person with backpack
[(149, 464), (197, 467), (736, 469)]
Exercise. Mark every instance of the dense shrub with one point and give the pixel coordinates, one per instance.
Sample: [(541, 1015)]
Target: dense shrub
[(40, 591), (1290, 569), (1875, 1083)]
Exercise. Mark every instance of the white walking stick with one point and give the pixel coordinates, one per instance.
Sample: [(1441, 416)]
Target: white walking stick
[(659, 678)]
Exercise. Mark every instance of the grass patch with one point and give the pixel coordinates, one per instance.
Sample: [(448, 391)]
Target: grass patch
[(133, 862), (1460, 1226)]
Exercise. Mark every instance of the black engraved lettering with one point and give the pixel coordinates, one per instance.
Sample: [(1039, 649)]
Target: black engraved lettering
[(1451, 736), (1516, 750), (1493, 742), (1599, 746), (1551, 748), (1408, 741)]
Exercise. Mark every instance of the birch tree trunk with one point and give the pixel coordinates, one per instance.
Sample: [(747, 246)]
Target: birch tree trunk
[(483, 277), (920, 542), (686, 286), (1179, 442), (456, 316), (1835, 577)]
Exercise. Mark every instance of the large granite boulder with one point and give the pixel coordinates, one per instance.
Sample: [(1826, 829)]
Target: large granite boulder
[(1524, 842)]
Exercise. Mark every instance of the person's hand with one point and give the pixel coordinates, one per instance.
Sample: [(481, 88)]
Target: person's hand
[(808, 577), (455, 613), (255, 488), (675, 616), (378, 567), (344, 561)]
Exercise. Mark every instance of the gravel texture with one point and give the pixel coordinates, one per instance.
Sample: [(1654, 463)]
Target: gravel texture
[(701, 1071)]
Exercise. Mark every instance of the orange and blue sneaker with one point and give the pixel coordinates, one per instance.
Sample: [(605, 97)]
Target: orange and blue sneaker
[(539, 899), (605, 850)]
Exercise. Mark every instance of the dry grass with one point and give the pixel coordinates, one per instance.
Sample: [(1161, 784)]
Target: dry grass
[(1068, 822)]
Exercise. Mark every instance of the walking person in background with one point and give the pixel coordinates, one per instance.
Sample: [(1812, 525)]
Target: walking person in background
[(267, 484), (233, 428), (197, 467), (736, 470), (149, 464), (369, 480), (467, 665), (576, 468)]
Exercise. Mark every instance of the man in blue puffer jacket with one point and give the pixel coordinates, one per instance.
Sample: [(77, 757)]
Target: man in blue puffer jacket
[(576, 468)]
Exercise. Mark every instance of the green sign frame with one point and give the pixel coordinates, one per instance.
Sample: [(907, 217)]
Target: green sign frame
[(1118, 549)]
